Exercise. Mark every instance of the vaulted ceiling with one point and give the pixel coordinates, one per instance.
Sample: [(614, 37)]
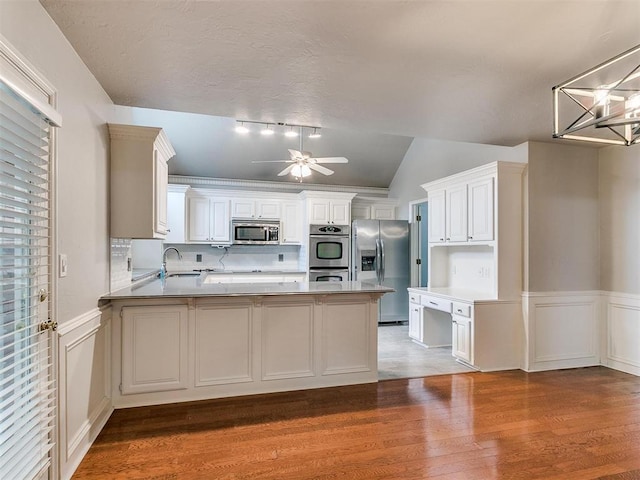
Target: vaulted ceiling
[(474, 71)]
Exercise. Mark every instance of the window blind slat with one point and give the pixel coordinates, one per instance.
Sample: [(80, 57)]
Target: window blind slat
[(25, 175)]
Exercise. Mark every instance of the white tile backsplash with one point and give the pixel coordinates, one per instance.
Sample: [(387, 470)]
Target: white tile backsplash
[(238, 257), (120, 274)]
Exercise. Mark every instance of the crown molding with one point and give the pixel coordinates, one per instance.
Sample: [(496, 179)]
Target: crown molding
[(230, 183)]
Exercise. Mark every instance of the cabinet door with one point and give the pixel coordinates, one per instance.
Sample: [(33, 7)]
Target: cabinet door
[(243, 208), (481, 207), (415, 321), (220, 227), (436, 216), (456, 213), (154, 348), (175, 218), (340, 213), (291, 223), (360, 212), (462, 338), (269, 209), (319, 212), (199, 220), (383, 212), (160, 184)]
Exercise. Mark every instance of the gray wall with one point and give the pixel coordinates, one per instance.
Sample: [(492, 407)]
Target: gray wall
[(82, 153), (620, 219), (428, 160), (563, 223)]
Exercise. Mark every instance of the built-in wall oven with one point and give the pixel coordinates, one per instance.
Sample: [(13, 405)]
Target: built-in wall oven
[(329, 250)]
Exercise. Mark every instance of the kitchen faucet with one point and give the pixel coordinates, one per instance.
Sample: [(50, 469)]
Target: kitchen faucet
[(163, 268)]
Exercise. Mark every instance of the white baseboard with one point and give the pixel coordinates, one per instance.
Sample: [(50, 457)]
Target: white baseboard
[(561, 330), (84, 385)]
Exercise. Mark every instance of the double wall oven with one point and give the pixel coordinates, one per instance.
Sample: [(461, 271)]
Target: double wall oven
[(329, 253)]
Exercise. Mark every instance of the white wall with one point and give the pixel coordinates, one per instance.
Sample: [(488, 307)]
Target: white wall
[(428, 160), (82, 153), (619, 177)]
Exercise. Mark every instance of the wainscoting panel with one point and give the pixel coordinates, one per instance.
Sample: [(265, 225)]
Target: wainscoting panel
[(622, 327), (561, 330), (84, 384)]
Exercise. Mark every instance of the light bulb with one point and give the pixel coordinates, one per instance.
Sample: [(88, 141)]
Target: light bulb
[(241, 128), (267, 130), (291, 133), (296, 171), (305, 171), (315, 133), (601, 102)]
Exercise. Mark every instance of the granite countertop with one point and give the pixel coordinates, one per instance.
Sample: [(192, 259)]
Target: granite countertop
[(195, 287), (450, 293)]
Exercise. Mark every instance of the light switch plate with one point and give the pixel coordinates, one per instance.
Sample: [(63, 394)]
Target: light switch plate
[(62, 265)]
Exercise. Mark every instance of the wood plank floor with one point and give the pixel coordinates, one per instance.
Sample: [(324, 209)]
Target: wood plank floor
[(563, 425)]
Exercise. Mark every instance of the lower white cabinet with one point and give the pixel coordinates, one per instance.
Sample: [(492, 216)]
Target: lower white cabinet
[(462, 335), (154, 348), (415, 321)]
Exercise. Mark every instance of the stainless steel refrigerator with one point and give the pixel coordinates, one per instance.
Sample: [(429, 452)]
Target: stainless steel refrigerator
[(380, 254)]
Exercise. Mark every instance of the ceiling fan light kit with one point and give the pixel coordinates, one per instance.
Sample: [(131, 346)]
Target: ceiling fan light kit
[(602, 104)]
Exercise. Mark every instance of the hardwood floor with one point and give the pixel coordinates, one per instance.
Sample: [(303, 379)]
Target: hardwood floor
[(562, 425)]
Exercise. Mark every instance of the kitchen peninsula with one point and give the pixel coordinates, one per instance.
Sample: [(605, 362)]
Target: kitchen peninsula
[(186, 338)]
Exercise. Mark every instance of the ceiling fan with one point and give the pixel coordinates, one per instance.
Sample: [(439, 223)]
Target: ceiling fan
[(303, 162)]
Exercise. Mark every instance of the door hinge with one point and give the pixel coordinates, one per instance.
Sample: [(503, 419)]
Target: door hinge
[(418, 261), (418, 218), (48, 325)]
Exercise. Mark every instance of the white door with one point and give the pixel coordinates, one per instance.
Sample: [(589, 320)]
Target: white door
[(161, 171), (27, 346), (415, 321), (199, 218), (220, 227), (340, 213), (462, 338)]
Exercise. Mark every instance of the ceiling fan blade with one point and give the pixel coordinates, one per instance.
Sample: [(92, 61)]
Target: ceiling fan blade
[(306, 154), (295, 154), (320, 169), (331, 160), (286, 170), (272, 161)]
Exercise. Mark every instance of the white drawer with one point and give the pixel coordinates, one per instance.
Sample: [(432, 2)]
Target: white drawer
[(436, 303), (463, 309), (414, 297)]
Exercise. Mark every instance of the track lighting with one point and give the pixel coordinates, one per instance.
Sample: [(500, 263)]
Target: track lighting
[(291, 132), (315, 133), (267, 130)]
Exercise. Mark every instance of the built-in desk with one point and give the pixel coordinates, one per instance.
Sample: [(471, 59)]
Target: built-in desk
[(484, 333)]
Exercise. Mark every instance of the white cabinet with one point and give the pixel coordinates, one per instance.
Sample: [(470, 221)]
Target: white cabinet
[(436, 205), (462, 335), (176, 214), (456, 213), (139, 176), (291, 224), (372, 208), (154, 348), (329, 211), (255, 208), (481, 210), (415, 317), (208, 219)]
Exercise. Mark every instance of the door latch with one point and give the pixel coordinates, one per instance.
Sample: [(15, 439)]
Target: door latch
[(48, 325)]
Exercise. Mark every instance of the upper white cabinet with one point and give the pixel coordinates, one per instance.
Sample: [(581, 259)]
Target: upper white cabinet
[(328, 207), (292, 231), (208, 219), (255, 208), (371, 208), (139, 177), (479, 212), (176, 214)]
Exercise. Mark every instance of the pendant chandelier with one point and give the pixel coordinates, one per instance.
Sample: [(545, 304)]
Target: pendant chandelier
[(602, 104)]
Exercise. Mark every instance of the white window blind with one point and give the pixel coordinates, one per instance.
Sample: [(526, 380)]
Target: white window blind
[(27, 394)]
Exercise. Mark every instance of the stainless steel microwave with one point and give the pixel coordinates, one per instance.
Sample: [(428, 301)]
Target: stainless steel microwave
[(260, 232)]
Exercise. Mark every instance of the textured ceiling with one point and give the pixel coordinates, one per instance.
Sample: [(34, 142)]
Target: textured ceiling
[(475, 71)]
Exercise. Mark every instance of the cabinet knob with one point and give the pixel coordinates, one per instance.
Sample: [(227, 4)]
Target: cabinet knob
[(442, 239), (448, 239), (459, 310), (470, 238)]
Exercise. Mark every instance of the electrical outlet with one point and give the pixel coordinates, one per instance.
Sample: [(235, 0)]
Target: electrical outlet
[(62, 265), (198, 257), (281, 257)]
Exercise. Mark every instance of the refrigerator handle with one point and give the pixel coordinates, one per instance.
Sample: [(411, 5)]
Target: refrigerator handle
[(382, 264), (378, 259)]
